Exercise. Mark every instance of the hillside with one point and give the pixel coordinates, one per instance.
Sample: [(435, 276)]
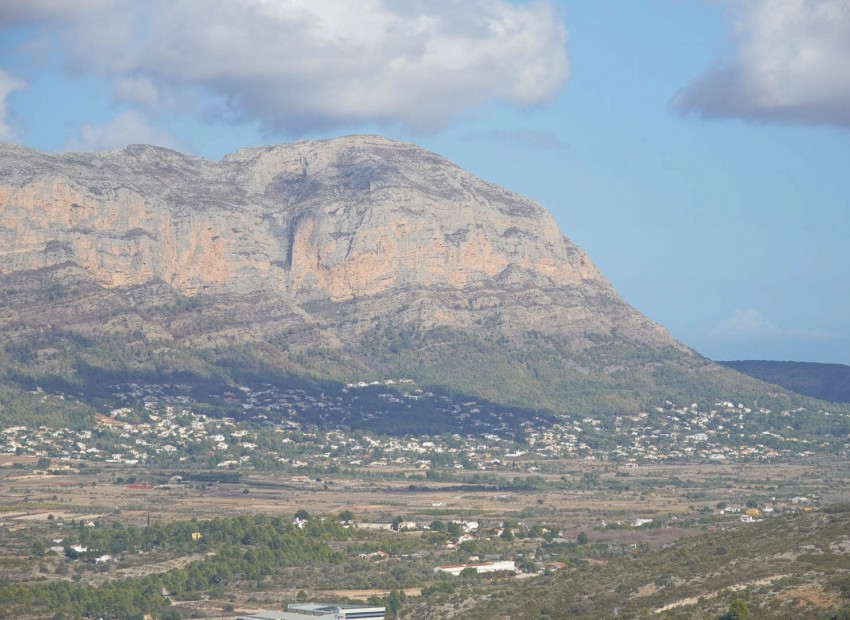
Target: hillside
[(793, 566), (830, 382), (341, 260)]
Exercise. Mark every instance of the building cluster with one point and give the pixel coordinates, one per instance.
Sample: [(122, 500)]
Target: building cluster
[(676, 433), (167, 430)]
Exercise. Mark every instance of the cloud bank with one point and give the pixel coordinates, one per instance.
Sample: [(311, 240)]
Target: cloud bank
[(297, 66), (791, 63)]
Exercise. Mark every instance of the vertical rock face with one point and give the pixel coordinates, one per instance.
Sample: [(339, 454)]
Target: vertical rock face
[(337, 220), (336, 244), (101, 214)]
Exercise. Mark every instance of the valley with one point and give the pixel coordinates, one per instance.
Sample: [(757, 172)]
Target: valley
[(548, 495), (347, 370)]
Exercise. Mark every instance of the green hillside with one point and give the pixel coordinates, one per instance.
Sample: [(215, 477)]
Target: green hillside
[(830, 382), (791, 567)]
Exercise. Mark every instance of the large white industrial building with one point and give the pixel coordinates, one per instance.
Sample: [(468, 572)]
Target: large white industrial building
[(321, 611)]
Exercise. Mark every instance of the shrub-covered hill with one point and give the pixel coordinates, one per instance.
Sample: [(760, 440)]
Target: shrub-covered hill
[(830, 382), (795, 566)]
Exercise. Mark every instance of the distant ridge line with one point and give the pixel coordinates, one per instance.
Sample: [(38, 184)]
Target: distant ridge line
[(826, 381)]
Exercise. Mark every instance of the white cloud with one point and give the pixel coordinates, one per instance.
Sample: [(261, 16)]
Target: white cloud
[(751, 324), (746, 323), (139, 90), (791, 63), (127, 128), (8, 85), (297, 66)]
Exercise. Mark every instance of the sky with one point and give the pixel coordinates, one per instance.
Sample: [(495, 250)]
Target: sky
[(698, 150)]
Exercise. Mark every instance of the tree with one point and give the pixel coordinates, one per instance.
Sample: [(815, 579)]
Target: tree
[(397, 522), (582, 538), (469, 571), (302, 514), (393, 602), (738, 610), (346, 516), (38, 548), (437, 526)]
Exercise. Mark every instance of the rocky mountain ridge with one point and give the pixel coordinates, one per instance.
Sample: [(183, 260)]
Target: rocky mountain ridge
[(338, 219), (341, 258)]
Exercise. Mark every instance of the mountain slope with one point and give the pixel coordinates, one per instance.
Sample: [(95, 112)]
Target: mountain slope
[(830, 382), (791, 566), (341, 259)]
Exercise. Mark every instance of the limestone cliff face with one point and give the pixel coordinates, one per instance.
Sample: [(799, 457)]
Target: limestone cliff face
[(339, 236), (96, 212), (339, 219)]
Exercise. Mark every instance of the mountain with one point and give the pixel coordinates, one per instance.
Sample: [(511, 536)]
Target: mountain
[(342, 259), (830, 382)]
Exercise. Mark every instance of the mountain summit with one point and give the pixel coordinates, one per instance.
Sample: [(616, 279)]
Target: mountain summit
[(344, 258)]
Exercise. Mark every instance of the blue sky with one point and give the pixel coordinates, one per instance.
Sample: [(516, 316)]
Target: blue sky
[(698, 150)]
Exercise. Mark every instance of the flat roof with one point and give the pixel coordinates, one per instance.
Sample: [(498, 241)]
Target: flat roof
[(328, 607), (303, 611)]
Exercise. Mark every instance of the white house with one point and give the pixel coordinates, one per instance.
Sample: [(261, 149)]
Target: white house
[(481, 567)]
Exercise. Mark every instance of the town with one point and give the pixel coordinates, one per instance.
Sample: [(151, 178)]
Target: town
[(291, 429), (165, 479)]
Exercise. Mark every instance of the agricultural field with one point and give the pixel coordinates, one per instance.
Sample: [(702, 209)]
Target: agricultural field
[(376, 532)]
